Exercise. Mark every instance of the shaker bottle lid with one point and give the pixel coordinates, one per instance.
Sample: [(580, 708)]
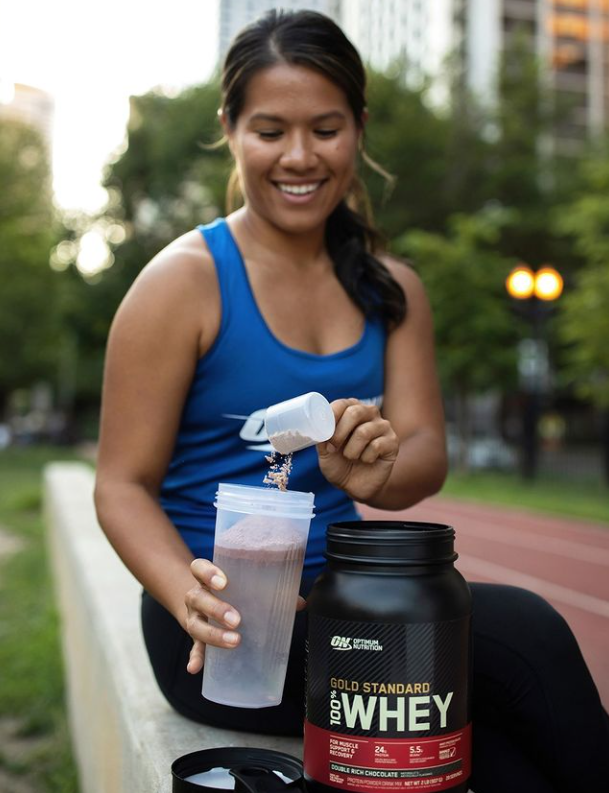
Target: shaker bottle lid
[(244, 770)]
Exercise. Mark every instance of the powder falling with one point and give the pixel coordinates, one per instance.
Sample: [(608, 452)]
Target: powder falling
[(279, 472)]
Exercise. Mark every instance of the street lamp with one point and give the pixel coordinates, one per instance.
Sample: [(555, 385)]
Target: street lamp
[(537, 288), (546, 284)]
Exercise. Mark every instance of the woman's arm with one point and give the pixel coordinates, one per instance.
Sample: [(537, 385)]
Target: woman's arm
[(168, 319), (393, 458)]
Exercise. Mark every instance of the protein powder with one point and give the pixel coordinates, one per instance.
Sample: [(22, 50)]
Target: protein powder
[(389, 662)]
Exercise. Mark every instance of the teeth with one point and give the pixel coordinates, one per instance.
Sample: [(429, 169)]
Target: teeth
[(301, 189)]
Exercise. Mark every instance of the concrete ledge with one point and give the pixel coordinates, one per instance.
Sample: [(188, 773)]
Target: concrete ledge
[(124, 733)]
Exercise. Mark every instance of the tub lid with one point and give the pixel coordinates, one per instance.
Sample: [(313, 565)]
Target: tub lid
[(242, 769)]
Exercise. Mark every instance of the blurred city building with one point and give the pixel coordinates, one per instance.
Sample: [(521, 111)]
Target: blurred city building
[(420, 34), (236, 14), (570, 37), (30, 105)]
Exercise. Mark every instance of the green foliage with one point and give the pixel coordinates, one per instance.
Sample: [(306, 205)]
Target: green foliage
[(438, 160), (31, 683), (169, 178), (585, 327), (29, 323), (164, 184), (464, 276), (584, 315), (523, 172), (394, 140)]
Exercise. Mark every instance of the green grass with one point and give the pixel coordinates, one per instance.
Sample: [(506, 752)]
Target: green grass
[(587, 500), (31, 681)]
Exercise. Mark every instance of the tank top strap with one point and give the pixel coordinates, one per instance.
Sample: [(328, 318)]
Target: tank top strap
[(235, 292)]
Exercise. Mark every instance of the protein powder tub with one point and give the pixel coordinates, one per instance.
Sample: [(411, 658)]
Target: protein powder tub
[(389, 662)]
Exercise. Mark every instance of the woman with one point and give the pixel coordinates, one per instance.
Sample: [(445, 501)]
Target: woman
[(284, 296)]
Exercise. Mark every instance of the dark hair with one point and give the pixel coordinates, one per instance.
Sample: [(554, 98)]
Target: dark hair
[(306, 38)]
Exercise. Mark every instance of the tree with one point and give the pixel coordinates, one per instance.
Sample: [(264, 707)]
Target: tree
[(29, 323), (165, 182), (583, 320), (408, 140), (584, 315), (475, 331)]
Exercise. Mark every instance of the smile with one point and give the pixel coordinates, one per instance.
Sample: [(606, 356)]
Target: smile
[(298, 189)]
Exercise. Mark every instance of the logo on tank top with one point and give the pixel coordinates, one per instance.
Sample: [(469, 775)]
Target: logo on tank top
[(254, 434), (252, 431)]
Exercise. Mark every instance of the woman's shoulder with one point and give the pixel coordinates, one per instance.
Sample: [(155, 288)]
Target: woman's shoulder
[(186, 261), (178, 284), (182, 271), (402, 271)]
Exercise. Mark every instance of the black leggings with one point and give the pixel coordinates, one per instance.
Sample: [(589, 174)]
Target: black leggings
[(539, 726)]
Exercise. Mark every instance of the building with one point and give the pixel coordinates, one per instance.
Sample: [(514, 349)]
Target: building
[(29, 105), (418, 33), (571, 37), (236, 14)]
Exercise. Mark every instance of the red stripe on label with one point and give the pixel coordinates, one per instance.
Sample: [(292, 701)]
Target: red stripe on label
[(365, 764)]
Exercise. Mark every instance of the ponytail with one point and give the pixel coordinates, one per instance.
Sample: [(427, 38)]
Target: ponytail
[(352, 240)]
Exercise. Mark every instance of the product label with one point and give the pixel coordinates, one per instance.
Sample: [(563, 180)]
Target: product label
[(388, 705)]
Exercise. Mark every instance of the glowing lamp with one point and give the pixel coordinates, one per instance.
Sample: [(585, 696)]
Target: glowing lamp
[(520, 282), (548, 284)]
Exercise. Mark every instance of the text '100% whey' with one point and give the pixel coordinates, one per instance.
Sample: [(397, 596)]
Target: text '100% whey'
[(389, 662)]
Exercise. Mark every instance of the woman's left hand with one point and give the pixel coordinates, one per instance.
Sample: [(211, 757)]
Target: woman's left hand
[(359, 457)]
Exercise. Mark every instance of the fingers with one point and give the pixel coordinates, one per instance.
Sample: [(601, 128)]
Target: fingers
[(362, 433), (196, 659), (371, 442), (208, 574), (201, 601), (203, 631), (203, 606), (301, 604)]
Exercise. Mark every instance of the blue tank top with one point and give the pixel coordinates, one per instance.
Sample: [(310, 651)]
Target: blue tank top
[(221, 436)]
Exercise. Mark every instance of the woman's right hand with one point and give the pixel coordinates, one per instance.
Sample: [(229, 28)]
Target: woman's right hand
[(202, 606)]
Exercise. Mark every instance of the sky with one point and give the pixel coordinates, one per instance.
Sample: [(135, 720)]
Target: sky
[(91, 56)]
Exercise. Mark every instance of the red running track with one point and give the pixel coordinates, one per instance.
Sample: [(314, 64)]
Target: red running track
[(564, 560)]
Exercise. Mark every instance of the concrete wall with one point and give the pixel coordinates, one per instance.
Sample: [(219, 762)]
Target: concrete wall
[(125, 735)]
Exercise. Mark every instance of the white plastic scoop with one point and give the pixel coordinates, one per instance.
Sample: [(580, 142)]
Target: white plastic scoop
[(299, 423)]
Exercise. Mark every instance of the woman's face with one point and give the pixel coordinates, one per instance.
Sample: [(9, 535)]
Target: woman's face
[(295, 144)]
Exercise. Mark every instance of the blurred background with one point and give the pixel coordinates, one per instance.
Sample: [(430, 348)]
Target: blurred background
[(494, 117)]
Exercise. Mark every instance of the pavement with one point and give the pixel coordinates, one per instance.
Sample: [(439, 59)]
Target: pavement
[(564, 560)]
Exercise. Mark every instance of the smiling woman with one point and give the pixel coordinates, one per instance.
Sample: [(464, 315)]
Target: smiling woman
[(292, 293), (295, 143)]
